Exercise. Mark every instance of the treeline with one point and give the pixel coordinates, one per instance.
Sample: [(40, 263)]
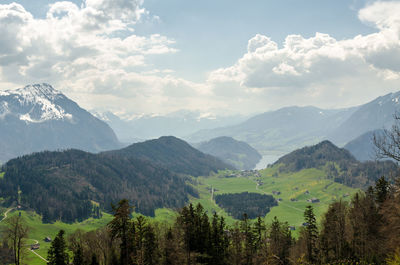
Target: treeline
[(62, 185), (252, 204)]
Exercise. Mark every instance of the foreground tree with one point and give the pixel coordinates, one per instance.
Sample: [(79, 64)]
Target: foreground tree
[(15, 233), (280, 242), (311, 235), (57, 254), (122, 228), (387, 143), (333, 235)]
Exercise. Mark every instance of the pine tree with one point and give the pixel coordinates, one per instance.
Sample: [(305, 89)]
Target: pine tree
[(57, 254), (219, 242), (150, 246), (280, 241), (120, 227), (311, 234), (249, 240), (381, 190)]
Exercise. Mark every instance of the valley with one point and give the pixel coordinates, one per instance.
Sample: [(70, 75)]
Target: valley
[(294, 191), (257, 165)]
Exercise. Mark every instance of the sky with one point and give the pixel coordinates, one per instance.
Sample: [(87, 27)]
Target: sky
[(220, 56)]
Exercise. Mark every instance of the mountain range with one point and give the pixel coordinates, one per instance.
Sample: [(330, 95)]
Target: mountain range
[(135, 128), (289, 128), (38, 117), (282, 130)]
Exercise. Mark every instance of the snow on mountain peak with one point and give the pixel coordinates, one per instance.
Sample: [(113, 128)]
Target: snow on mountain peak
[(31, 93), (33, 103)]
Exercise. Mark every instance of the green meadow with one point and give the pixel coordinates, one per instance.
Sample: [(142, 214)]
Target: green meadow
[(300, 186), (295, 189)]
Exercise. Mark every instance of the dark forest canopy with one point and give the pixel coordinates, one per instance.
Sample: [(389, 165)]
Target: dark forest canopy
[(61, 185), (338, 163), (252, 204), (174, 154), (64, 185)]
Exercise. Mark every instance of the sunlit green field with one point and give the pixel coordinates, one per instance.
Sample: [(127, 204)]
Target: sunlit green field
[(301, 186)]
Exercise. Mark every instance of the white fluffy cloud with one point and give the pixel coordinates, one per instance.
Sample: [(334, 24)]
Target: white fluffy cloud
[(92, 53), (89, 51), (319, 70)]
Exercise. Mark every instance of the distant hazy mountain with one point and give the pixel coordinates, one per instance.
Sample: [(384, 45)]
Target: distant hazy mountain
[(237, 153), (179, 124), (38, 117), (363, 147), (338, 164), (174, 154), (377, 114), (282, 130)]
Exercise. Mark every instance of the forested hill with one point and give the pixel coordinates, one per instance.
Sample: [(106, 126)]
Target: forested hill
[(237, 153), (338, 163), (67, 185), (315, 156), (174, 154)]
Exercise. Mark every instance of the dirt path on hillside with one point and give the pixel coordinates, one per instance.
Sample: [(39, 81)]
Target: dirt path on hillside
[(34, 252), (5, 214)]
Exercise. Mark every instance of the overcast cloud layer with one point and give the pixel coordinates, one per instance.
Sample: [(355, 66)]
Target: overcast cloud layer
[(92, 54)]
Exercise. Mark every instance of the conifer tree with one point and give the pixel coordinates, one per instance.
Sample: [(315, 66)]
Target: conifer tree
[(57, 254), (311, 234), (381, 190), (121, 227), (249, 240)]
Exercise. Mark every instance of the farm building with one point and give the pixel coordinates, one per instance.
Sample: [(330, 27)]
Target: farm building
[(35, 246), (313, 200)]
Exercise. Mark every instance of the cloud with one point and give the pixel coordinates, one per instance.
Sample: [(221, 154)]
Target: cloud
[(93, 42), (91, 53), (319, 70)]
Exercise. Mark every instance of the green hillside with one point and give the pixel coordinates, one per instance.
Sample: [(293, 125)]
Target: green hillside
[(39, 230), (299, 186)]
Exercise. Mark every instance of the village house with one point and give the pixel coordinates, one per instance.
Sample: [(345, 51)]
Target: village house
[(35, 246), (313, 200)]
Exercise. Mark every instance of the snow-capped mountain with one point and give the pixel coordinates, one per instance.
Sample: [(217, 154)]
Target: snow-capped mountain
[(132, 128), (374, 115), (38, 117)]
